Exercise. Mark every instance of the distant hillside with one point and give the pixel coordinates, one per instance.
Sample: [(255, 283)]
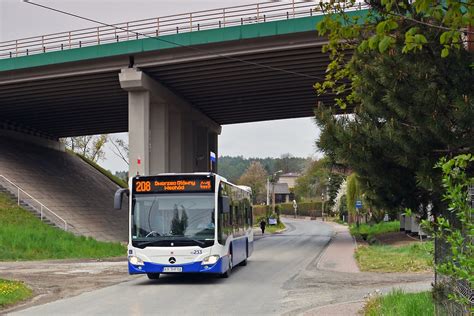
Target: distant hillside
[(233, 167)]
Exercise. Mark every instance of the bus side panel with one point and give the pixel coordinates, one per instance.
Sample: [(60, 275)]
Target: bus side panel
[(250, 246), (239, 250)]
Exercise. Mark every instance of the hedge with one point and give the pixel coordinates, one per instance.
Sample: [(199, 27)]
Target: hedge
[(312, 209)]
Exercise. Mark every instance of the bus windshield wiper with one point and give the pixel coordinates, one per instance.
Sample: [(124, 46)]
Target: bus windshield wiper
[(170, 239), (147, 243), (195, 240)]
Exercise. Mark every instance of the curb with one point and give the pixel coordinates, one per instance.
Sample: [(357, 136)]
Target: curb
[(323, 253), (334, 306)]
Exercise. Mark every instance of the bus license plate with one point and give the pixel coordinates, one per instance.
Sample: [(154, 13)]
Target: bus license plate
[(173, 269)]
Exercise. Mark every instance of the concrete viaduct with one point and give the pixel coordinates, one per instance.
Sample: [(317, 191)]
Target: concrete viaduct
[(171, 82)]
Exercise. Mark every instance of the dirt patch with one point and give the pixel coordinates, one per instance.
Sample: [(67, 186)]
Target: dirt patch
[(57, 279), (395, 239)]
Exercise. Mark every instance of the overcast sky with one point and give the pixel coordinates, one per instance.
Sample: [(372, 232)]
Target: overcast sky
[(262, 139)]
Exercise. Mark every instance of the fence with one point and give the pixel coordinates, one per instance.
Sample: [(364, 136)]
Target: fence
[(156, 27)]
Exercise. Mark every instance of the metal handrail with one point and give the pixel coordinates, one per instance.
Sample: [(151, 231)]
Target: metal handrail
[(171, 24), (42, 206)]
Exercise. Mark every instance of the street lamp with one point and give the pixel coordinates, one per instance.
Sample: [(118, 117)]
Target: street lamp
[(273, 189)]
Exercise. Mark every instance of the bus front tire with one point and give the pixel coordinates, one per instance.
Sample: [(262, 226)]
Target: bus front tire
[(153, 276)]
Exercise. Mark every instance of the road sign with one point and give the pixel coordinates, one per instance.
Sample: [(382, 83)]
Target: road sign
[(358, 204)]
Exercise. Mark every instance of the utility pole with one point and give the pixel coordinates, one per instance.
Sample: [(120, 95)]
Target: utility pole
[(268, 190), (273, 189)]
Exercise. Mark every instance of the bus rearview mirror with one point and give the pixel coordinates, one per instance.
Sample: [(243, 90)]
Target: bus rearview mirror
[(118, 198)]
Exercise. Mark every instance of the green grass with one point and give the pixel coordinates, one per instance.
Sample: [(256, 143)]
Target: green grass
[(415, 257), (398, 303), (24, 237), (375, 229), (271, 229), (106, 173), (12, 292)]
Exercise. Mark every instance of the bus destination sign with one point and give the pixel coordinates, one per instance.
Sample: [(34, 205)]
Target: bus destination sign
[(172, 184)]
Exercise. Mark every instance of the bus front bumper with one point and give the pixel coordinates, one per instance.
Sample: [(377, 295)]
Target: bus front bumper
[(192, 267)]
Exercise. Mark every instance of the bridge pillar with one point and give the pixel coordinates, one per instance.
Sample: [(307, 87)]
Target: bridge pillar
[(201, 147), (166, 134), (159, 144), (139, 131)]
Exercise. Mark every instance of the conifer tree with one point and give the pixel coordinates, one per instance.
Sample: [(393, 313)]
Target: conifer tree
[(412, 109)]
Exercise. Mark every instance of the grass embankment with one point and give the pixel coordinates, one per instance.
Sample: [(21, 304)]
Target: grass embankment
[(12, 292), (398, 303), (375, 257), (106, 173), (24, 237)]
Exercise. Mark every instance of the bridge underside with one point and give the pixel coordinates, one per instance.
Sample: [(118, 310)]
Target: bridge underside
[(85, 97)]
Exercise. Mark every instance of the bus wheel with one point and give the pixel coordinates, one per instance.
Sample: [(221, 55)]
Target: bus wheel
[(226, 274), (243, 263), (153, 276)]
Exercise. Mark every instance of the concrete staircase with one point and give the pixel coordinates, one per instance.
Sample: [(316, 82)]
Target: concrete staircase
[(29, 208), (68, 186)]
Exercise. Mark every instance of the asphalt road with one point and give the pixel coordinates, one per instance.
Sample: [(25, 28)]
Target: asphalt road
[(262, 287)]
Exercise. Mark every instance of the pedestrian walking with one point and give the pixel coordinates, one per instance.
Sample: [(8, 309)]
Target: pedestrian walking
[(262, 226)]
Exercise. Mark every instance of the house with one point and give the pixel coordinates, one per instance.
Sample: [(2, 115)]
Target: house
[(282, 192), (289, 178)]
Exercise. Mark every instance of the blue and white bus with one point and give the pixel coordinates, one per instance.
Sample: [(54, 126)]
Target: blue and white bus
[(187, 223)]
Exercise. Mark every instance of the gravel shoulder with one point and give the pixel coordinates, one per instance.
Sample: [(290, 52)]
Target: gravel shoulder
[(52, 280)]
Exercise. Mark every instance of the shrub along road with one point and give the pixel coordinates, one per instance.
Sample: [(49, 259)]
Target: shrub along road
[(281, 278)]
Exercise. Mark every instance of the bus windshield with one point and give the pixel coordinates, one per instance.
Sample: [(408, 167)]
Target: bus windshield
[(177, 216)]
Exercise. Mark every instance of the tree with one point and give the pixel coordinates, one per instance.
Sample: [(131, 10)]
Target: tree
[(120, 149), (454, 229), (90, 147), (411, 102), (340, 205), (255, 177), (411, 26), (353, 193), (311, 183)]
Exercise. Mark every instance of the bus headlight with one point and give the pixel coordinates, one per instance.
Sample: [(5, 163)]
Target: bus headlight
[(135, 261), (210, 260)]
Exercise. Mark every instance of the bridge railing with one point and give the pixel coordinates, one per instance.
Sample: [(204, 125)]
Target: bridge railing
[(155, 27)]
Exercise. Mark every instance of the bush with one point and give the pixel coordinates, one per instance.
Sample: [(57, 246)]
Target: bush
[(368, 231), (12, 292), (312, 209), (260, 210)]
